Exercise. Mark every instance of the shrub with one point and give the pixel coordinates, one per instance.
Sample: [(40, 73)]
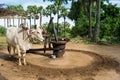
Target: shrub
[(2, 31)]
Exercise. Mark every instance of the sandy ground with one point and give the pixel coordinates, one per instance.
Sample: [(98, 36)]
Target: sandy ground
[(80, 62)]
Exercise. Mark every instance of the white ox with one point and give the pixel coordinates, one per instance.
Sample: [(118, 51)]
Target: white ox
[(20, 40)]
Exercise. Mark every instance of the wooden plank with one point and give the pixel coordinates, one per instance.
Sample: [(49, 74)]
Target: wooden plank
[(42, 49)]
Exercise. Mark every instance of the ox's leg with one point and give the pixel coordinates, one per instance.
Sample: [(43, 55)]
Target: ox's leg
[(24, 55), (19, 55), (9, 50), (24, 58), (14, 50)]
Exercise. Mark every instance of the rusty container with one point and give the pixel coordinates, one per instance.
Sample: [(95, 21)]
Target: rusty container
[(59, 48)]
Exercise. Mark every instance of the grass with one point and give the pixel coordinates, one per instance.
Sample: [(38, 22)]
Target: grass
[(2, 42), (101, 42), (80, 40)]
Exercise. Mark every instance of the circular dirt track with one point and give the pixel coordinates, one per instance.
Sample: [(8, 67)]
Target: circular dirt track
[(71, 59), (2, 78), (74, 62), (74, 65)]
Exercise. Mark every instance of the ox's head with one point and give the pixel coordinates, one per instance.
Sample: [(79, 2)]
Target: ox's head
[(36, 33)]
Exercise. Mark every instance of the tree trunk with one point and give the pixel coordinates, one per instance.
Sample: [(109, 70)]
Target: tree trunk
[(18, 22), (40, 20), (50, 16), (24, 20), (30, 23), (13, 21), (90, 35), (4, 22), (58, 20), (9, 21), (64, 28), (34, 20), (21, 20), (58, 23), (97, 26)]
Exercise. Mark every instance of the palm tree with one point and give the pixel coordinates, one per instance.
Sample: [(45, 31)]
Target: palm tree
[(40, 11), (58, 4), (57, 10), (32, 13), (12, 8), (97, 25), (29, 12), (50, 9), (87, 4), (90, 34), (94, 36), (64, 14), (20, 9), (34, 10), (62, 1)]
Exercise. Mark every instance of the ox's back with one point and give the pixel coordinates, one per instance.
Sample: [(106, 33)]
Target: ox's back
[(14, 36), (10, 35)]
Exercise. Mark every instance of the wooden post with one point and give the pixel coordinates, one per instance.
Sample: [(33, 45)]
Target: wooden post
[(53, 27)]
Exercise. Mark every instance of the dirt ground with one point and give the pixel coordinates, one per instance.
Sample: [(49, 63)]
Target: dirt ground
[(80, 62)]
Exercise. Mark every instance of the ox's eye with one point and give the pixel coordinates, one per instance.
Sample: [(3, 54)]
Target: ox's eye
[(38, 32)]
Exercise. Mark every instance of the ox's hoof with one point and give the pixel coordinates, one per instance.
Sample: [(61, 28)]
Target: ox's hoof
[(25, 64), (20, 64)]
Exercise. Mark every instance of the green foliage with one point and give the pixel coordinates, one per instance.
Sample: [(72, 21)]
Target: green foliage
[(110, 23), (65, 29), (75, 11), (58, 1), (110, 10), (32, 9), (40, 10), (50, 9), (79, 14), (109, 26), (81, 27), (2, 31), (17, 8), (60, 29), (63, 12)]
